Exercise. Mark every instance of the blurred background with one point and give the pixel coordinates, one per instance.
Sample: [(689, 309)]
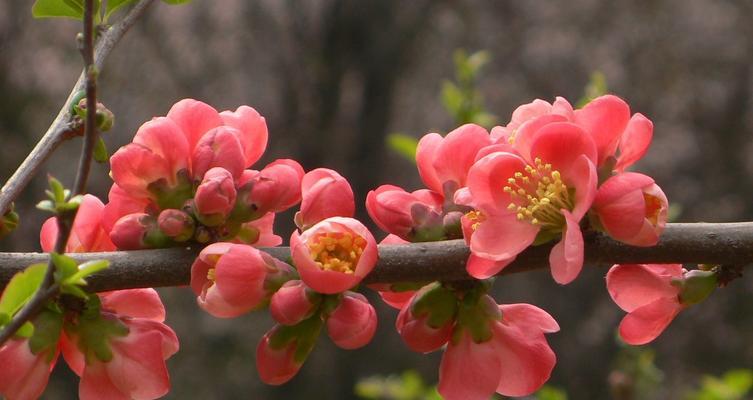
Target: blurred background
[(336, 78)]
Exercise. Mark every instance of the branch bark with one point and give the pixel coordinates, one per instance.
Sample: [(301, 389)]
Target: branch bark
[(60, 130), (697, 243)]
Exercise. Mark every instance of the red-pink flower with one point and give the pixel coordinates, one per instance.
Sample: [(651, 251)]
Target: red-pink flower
[(653, 294), (410, 216), (631, 208), (543, 194), (276, 360), (24, 374), (426, 322), (138, 231), (220, 147), (445, 160), (293, 303), (515, 360), (334, 255), (176, 224), (215, 197), (275, 188), (88, 233), (325, 193), (353, 323), (229, 279), (529, 112)]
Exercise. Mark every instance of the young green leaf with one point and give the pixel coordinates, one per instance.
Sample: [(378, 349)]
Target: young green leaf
[(115, 5), (26, 330), (58, 8), (86, 269), (66, 266), (403, 144), (21, 289), (175, 2), (101, 155)]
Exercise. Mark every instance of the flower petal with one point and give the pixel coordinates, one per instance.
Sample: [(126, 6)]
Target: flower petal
[(646, 323), (635, 285), (566, 258)]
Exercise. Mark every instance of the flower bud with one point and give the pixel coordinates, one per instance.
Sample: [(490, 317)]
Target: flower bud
[(353, 323), (426, 322), (215, 197), (219, 147), (138, 231), (283, 350), (176, 224), (325, 193), (275, 188), (293, 303)]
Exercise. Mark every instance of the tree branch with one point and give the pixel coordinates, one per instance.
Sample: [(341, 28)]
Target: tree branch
[(698, 243), (60, 128)]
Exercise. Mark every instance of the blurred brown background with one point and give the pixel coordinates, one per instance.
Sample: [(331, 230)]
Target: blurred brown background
[(334, 77)]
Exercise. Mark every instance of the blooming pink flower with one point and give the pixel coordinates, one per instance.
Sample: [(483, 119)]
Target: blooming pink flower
[(24, 374), (529, 112), (543, 194), (405, 214), (215, 197), (275, 188), (650, 293), (631, 208), (88, 233), (229, 279), (334, 255), (293, 303), (515, 360), (353, 323), (445, 160), (325, 193)]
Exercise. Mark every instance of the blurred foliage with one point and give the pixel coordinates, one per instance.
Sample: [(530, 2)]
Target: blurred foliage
[(548, 392), (403, 144), (407, 386), (733, 385), (596, 86), (461, 98), (634, 375)]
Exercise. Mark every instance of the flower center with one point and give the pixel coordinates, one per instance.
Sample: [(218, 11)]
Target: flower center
[(211, 274), (476, 217), (538, 195), (653, 208), (337, 251)]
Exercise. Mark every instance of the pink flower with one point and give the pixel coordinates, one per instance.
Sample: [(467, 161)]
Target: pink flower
[(334, 255), (259, 232), (293, 303), (427, 321), (219, 147), (229, 279), (631, 208), (275, 188), (325, 193), (176, 224), (215, 197), (515, 360), (543, 194), (24, 374), (88, 233), (410, 216), (119, 204), (353, 323), (138, 231), (276, 360), (445, 160), (653, 294), (529, 112), (253, 128)]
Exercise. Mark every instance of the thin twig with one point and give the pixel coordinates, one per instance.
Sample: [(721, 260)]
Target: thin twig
[(60, 129), (48, 289), (698, 243)]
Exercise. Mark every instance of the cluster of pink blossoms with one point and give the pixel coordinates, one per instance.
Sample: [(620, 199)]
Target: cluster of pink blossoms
[(546, 176)]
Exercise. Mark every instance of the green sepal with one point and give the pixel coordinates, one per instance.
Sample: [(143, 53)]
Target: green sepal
[(302, 335), (47, 328), (476, 313), (95, 330), (25, 331), (101, 154), (438, 303), (697, 285)]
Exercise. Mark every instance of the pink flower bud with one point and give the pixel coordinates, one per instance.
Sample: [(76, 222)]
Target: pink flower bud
[(176, 224), (334, 255), (426, 323), (276, 359), (275, 188), (391, 208), (138, 231), (253, 131), (293, 303), (229, 279), (631, 208), (353, 323), (259, 232), (325, 194), (219, 147), (25, 374), (215, 197)]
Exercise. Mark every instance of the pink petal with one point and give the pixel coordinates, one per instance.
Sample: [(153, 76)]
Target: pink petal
[(163, 137), (457, 152), (625, 217), (605, 118), (23, 375), (120, 203), (468, 370), (566, 258), (135, 303), (528, 318), (617, 185), (528, 360), (488, 177), (194, 118), (353, 323), (584, 179), (647, 322), (425, 155), (253, 129), (502, 237), (635, 285), (525, 134), (635, 141), (561, 144), (482, 268)]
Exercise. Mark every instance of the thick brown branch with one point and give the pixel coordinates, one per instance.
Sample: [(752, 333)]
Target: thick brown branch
[(729, 243), (60, 130)]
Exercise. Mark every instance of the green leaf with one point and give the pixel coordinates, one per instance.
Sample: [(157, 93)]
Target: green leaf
[(115, 5), (101, 155), (26, 330), (66, 266), (86, 269), (403, 144), (47, 327), (58, 8), (551, 393), (176, 2), (597, 86), (58, 191), (21, 289), (452, 98)]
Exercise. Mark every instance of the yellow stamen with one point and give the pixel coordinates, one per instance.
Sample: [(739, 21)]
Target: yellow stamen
[(337, 251), (212, 274)]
